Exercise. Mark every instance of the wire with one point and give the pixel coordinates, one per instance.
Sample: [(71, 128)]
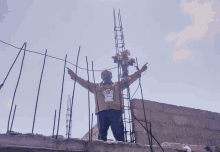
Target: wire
[(61, 60), (135, 92), (51, 56)]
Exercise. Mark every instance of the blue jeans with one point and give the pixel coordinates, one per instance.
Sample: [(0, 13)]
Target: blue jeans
[(111, 117)]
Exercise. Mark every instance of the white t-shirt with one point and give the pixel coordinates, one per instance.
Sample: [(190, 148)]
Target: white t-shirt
[(108, 96)]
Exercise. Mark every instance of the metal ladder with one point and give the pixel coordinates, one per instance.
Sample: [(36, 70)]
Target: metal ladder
[(68, 117), (120, 46)]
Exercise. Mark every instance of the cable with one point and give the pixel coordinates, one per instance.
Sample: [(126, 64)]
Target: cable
[(51, 56), (135, 92)]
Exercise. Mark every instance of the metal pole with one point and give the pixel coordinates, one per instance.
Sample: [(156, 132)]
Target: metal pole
[(95, 86), (16, 87), (38, 92), (70, 121), (119, 88), (124, 122), (115, 31), (67, 115), (73, 93), (129, 111), (151, 133), (88, 98), (13, 117), (144, 112), (147, 131), (54, 123), (12, 66), (61, 97), (91, 127)]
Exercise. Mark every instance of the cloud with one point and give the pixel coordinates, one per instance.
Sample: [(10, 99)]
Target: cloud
[(206, 22), (181, 54)]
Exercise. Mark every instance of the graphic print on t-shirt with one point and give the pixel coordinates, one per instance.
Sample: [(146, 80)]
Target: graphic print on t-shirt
[(108, 96)]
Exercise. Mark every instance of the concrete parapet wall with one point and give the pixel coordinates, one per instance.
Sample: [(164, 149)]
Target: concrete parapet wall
[(43, 143), (33, 143), (172, 123)]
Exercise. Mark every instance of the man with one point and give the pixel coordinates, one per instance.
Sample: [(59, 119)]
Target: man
[(107, 98)]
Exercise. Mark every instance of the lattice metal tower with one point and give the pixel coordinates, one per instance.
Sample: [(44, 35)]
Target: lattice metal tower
[(68, 117), (120, 46)]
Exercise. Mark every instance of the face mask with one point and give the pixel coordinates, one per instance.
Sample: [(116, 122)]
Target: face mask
[(106, 79)]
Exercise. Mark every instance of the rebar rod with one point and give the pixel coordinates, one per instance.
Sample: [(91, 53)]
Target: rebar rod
[(88, 98), (146, 128), (11, 67), (147, 131), (124, 122), (68, 118), (128, 93), (16, 87), (13, 117), (133, 130), (115, 32), (91, 127), (95, 87), (38, 92), (54, 124), (61, 97), (144, 110), (119, 91), (151, 133), (121, 31), (73, 92)]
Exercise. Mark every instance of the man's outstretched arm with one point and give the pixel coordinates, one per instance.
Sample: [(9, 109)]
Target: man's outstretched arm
[(136, 75), (81, 81)]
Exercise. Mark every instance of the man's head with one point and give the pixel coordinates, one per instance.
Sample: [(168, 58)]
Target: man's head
[(106, 76)]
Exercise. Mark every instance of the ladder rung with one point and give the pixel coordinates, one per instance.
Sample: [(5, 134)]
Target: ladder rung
[(118, 30), (119, 46), (118, 27), (126, 106), (128, 121), (128, 118), (119, 43), (118, 35)]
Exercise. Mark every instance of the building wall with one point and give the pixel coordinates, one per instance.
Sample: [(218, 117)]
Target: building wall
[(178, 124)]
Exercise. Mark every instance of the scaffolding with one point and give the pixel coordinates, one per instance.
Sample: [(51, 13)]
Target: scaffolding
[(68, 121)]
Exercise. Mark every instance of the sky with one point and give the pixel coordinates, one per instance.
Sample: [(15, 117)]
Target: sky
[(180, 40)]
